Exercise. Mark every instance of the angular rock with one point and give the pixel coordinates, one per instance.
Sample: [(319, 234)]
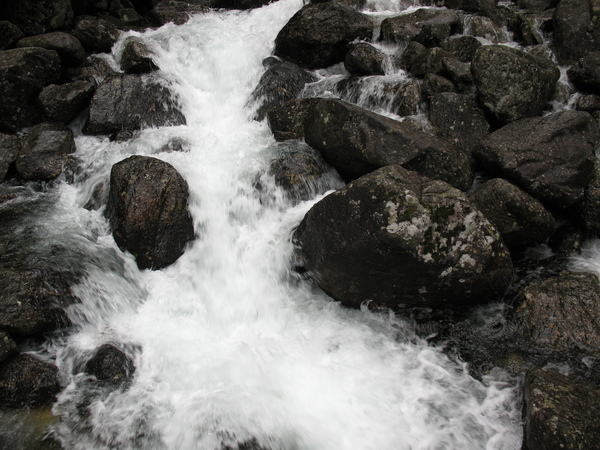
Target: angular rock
[(68, 47), (479, 26), (64, 102), (364, 59), (96, 35), (560, 412), (562, 313), (281, 82), (402, 240), (137, 57), (9, 34), (32, 301), (10, 148), (44, 152), (463, 47), (94, 68), (576, 30), (523, 27), (585, 74), (459, 119), (411, 54), (356, 141), (124, 11), (550, 157), (26, 380), (512, 84), (23, 74), (147, 210), (177, 12), (317, 35), (436, 84), (8, 347), (126, 103), (428, 26), (521, 219), (459, 73), (110, 364), (431, 61), (37, 17), (287, 120)]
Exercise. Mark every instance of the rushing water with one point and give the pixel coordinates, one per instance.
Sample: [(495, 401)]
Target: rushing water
[(229, 346)]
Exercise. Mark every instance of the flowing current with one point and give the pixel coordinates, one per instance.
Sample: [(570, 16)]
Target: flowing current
[(230, 347)]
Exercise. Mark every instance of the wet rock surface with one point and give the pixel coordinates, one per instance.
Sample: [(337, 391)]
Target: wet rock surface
[(64, 102), (110, 364), (26, 380)]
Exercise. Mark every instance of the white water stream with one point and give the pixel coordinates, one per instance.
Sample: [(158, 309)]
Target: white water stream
[(229, 346)]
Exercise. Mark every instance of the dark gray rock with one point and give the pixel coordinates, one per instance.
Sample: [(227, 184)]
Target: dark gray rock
[(537, 5), (26, 380), (512, 84), (459, 119), (96, 35), (485, 8), (430, 61), (287, 120), (64, 102), (10, 148), (177, 12), (459, 73), (44, 152), (32, 301), (436, 84), (37, 17), (239, 4), (23, 74), (8, 347), (126, 103), (356, 141), (317, 35), (562, 313), (560, 412), (576, 30), (521, 219), (364, 59), (68, 47), (463, 47), (429, 27), (391, 237), (9, 34), (484, 27), (94, 68), (147, 210), (137, 57), (523, 27), (590, 211), (111, 365), (585, 73), (550, 157), (588, 103), (280, 83), (124, 11)]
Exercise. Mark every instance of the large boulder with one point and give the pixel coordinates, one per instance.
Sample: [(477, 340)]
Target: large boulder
[(585, 74), (356, 141), (67, 46), (521, 219), (550, 157), (63, 102), (576, 30), (402, 240), (111, 365), (317, 35), (560, 412), (126, 103), (26, 380), (32, 301), (44, 152), (281, 82), (286, 121), (23, 74), (37, 17), (364, 59), (96, 35), (427, 26), (147, 210), (512, 84), (562, 313)]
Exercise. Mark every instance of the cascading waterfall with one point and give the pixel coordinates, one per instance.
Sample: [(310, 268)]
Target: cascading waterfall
[(230, 347)]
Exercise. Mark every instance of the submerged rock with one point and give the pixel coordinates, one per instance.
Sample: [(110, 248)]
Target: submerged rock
[(147, 210), (110, 364), (401, 240), (28, 381)]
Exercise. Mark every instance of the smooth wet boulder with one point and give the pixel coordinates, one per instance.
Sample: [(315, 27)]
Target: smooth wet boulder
[(356, 141), (576, 30), (562, 313), (64, 102), (33, 301), (364, 59), (37, 17), (23, 74), (521, 219), (10, 147), (8, 347), (177, 12), (560, 412), (126, 102), (110, 364), (148, 211), (550, 157), (96, 35), (585, 73), (68, 47), (26, 380), (402, 240), (137, 57), (286, 121), (44, 152), (317, 35), (9, 34), (427, 26), (281, 82), (512, 84)]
